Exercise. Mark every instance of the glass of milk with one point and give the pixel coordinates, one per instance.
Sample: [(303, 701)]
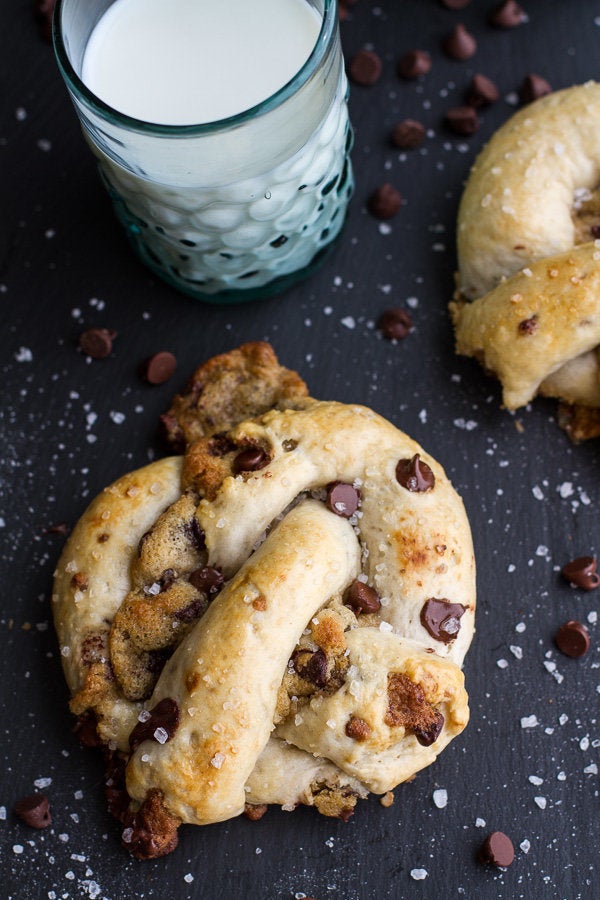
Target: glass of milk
[(221, 131)]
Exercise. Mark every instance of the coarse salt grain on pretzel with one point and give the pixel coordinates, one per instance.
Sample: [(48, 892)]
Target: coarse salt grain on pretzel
[(309, 580), (528, 224)]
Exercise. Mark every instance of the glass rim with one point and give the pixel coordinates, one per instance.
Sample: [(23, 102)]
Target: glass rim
[(84, 94)]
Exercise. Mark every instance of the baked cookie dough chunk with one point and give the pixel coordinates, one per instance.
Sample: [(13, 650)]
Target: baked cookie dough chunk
[(528, 229), (278, 618)]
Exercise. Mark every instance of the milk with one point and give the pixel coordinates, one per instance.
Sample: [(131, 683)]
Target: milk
[(186, 62), (222, 134)]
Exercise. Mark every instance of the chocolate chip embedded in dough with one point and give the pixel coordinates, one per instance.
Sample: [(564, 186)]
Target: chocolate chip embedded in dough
[(311, 666), (97, 342), (158, 368), (408, 134), (384, 202), (250, 460), (365, 68), (357, 729), (482, 91), (528, 326), (582, 573), (361, 598), (429, 734), (534, 87), (208, 579), (441, 619), (497, 849), (460, 43), (572, 639), (507, 15), (34, 811), (395, 324), (161, 724), (342, 499), (414, 64), (415, 475)]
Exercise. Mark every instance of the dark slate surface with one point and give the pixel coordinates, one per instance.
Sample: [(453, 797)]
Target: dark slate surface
[(68, 427)]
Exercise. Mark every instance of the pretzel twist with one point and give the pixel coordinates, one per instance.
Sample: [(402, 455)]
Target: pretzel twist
[(328, 662), (528, 257)]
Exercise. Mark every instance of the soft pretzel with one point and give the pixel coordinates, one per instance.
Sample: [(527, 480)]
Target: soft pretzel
[(528, 225), (282, 619)]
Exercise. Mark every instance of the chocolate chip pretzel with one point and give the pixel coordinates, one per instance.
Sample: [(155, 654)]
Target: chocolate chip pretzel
[(278, 617)]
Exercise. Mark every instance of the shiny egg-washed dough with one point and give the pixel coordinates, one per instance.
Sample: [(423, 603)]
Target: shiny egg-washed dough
[(286, 557), (518, 226)]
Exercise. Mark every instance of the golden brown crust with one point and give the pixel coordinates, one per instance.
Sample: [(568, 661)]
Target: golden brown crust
[(227, 389)]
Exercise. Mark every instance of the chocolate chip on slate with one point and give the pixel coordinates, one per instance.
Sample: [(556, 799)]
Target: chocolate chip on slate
[(365, 68), (441, 619), (497, 849), (534, 87), (208, 579), (60, 528), (395, 324), (97, 342), (250, 460), (414, 64), (455, 4), (482, 91), (462, 120), (429, 735), (414, 474), (34, 811), (507, 15), (158, 368), (361, 598), (460, 43), (160, 726), (572, 639), (408, 134), (582, 573), (342, 499), (385, 202)]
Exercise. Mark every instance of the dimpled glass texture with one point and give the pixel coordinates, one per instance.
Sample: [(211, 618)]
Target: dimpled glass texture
[(233, 210)]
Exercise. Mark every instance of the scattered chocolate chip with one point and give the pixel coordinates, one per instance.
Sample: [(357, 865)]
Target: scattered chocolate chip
[(534, 87), (441, 619), (507, 15), (312, 666), (482, 91), (460, 43), (60, 528), (497, 849), (342, 499), (414, 64), (250, 460), (158, 368), (34, 811), (572, 639), (362, 598), (365, 68), (528, 326), (408, 134), (395, 324), (429, 734), (208, 579), (97, 342), (255, 811), (455, 4), (582, 573), (164, 720), (415, 475), (462, 120), (384, 202), (42, 10)]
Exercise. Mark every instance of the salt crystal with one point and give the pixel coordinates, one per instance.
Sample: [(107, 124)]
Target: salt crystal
[(592, 617), (479, 823), (516, 651), (42, 783), (155, 488), (2, 814), (218, 760), (529, 721), (502, 663), (440, 798), (563, 719), (584, 743), (188, 878), (127, 835), (525, 846), (117, 417), (535, 779), (541, 802), (520, 627), (418, 874), (592, 769), (330, 723), (144, 715), (385, 627), (161, 735), (349, 322), (18, 849)]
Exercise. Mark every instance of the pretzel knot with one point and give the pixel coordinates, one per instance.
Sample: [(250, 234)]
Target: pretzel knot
[(280, 618), (529, 257)]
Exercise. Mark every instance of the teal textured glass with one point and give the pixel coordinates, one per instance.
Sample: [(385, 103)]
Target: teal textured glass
[(231, 210)]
